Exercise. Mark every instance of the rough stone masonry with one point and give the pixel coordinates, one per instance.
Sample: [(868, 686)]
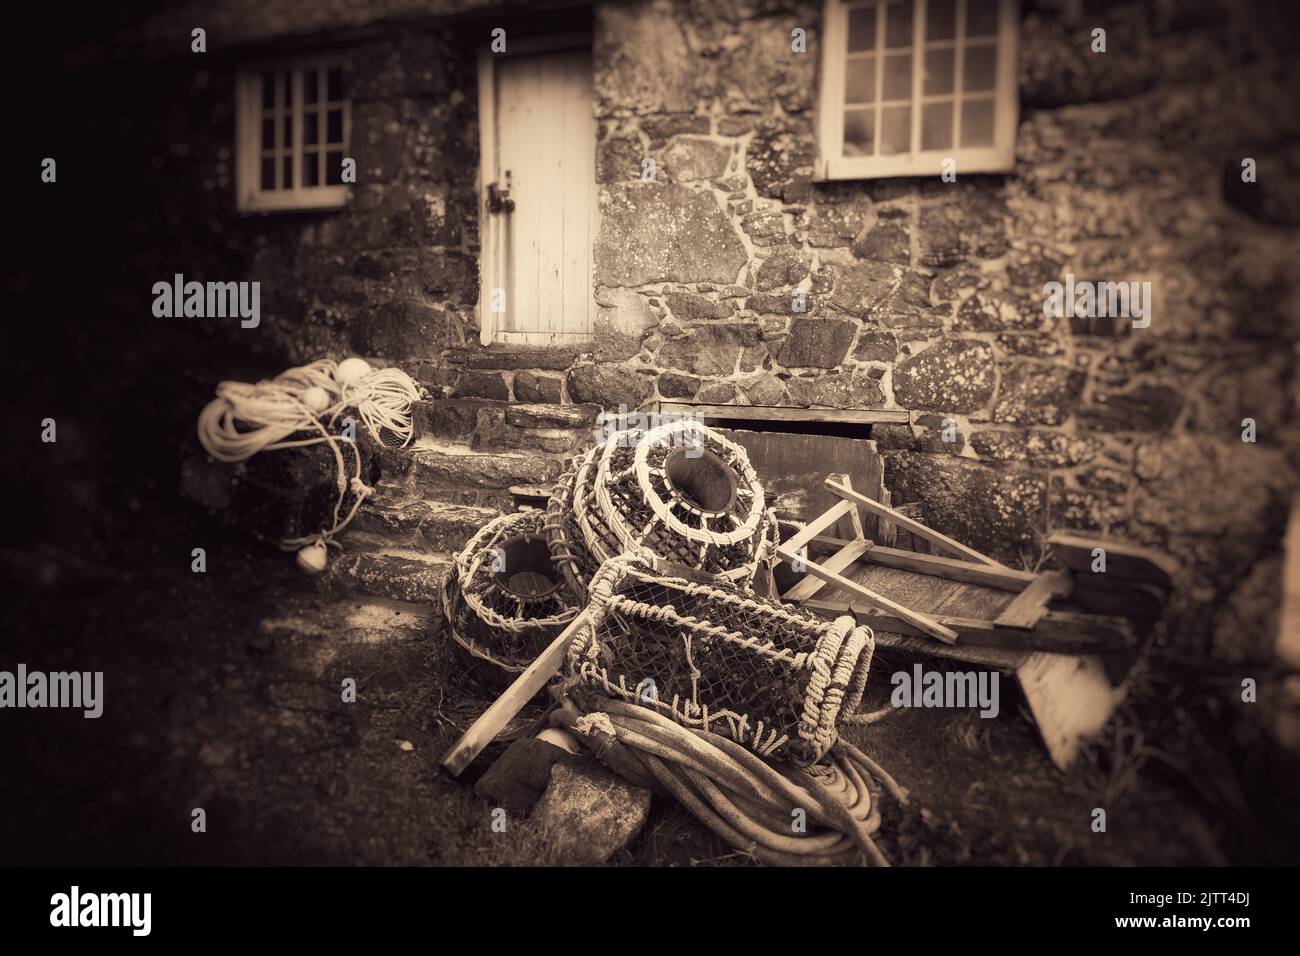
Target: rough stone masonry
[(920, 295)]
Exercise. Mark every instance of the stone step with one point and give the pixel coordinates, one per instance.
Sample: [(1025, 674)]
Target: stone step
[(487, 425), (435, 467), (372, 565), (419, 523)]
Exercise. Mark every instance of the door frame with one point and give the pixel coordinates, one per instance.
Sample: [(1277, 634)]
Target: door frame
[(494, 253)]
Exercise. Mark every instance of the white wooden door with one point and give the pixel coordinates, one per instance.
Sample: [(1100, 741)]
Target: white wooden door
[(539, 250)]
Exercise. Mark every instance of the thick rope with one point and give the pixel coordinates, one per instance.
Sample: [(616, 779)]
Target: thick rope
[(245, 419), (746, 802)]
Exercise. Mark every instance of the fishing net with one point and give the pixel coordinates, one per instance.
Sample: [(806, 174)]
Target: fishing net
[(681, 492), (573, 558), (503, 597), (715, 657), (293, 493)]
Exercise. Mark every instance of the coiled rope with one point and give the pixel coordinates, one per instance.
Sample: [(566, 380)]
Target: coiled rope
[(246, 419), (745, 801)]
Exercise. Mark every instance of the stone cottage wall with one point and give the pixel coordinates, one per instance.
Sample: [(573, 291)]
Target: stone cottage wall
[(919, 295)]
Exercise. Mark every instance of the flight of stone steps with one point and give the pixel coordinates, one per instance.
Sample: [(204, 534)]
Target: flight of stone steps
[(454, 478)]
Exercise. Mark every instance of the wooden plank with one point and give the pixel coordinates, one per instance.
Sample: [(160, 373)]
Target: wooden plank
[(929, 594), (915, 527), (850, 526), (1006, 579), (776, 413), (1057, 632), (1001, 658), (493, 720), (837, 562), (793, 468), (1031, 603), (919, 622), (816, 527), (1071, 699), (1126, 561)]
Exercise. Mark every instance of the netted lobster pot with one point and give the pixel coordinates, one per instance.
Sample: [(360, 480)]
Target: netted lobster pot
[(569, 550), (503, 597), (712, 656), (682, 492), (292, 493)]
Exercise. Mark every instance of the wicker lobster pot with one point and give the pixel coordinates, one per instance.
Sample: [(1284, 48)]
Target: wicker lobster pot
[(681, 492), (503, 597), (713, 656)]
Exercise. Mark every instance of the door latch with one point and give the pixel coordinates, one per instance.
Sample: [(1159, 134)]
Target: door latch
[(498, 199)]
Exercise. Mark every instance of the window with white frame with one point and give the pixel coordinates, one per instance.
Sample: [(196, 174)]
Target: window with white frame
[(294, 122), (908, 84)]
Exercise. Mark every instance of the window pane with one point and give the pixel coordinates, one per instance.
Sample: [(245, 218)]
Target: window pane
[(938, 72), (859, 132), (898, 77), (862, 28), (860, 80), (268, 133), (936, 126), (940, 16), (310, 127), (310, 168), (895, 130), (268, 173), (977, 122), (981, 18), (268, 91), (288, 172), (898, 24), (286, 139), (334, 169), (979, 71), (334, 84), (334, 127), (309, 85)]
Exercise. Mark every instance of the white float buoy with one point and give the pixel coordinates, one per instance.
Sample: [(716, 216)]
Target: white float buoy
[(313, 558), (316, 398), (351, 371)]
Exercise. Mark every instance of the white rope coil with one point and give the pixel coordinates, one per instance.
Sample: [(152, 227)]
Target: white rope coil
[(245, 419)]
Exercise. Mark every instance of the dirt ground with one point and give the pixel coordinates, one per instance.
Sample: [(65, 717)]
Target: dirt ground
[(223, 692)]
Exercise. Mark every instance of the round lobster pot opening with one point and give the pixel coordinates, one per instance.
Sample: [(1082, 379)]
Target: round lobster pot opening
[(527, 571), (702, 478)]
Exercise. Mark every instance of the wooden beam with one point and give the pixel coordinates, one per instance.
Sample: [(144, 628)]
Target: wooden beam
[(919, 623), (1123, 560), (837, 562), (1070, 697), (1031, 604), (493, 720), (1058, 632), (1006, 579), (903, 521), (774, 413), (817, 526)]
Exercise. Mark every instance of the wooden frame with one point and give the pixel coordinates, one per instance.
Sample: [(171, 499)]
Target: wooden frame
[(496, 239), (1000, 157), (785, 413), (1063, 660), (795, 549), (250, 197)]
